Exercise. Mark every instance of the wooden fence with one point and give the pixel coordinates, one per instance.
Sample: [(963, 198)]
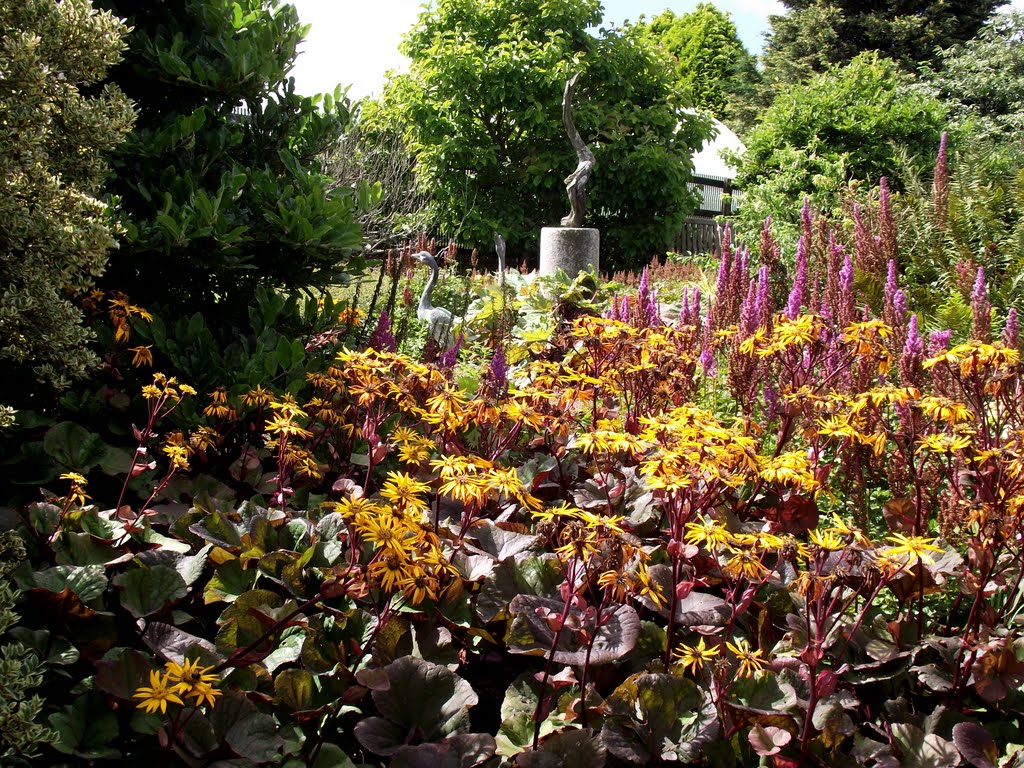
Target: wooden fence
[(698, 235)]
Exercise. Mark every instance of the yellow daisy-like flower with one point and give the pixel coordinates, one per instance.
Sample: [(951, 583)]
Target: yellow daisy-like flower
[(827, 540), (751, 662), (143, 355), (913, 547), (157, 694), (710, 533), (192, 681), (943, 443), (405, 491), (746, 564), (694, 657)]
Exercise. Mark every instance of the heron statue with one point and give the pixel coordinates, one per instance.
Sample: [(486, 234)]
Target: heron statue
[(438, 319)]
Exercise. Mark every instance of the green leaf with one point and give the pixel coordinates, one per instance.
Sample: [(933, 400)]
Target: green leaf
[(294, 688), (424, 699), (658, 716), (121, 672), (228, 582), (147, 590), (578, 748), (923, 750), (464, 750), (250, 733), (74, 447), (88, 582), (85, 728)]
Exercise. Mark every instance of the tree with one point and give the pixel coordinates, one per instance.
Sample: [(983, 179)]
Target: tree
[(982, 80), (818, 34), (856, 122), (56, 127), (481, 111), (716, 73), (220, 182)]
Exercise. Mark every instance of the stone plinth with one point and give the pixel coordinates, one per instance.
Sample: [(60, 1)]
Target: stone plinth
[(571, 249)]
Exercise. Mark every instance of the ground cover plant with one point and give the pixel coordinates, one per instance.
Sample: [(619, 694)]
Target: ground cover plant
[(770, 525)]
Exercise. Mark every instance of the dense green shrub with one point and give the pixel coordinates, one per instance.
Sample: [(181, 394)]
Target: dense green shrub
[(716, 73), (56, 128), (856, 122), (481, 112), (220, 183)]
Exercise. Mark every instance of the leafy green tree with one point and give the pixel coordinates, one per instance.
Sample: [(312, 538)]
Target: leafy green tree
[(857, 122), (983, 79), (481, 111), (220, 182), (817, 34), (56, 127), (716, 73)]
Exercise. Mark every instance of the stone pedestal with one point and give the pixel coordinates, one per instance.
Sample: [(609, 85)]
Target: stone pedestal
[(571, 249)]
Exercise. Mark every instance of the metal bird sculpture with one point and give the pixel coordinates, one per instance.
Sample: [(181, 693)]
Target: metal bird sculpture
[(499, 247), (438, 319)]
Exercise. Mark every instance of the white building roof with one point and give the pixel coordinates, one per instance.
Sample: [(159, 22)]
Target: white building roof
[(708, 161)]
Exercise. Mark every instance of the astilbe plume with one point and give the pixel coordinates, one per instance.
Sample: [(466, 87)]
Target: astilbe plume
[(900, 307), (647, 303), (798, 293), (846, 310), (771, 257), (707, 353), (861, 238), (940, 185), (913, 354), (981, 310), (806, 223), (891, 286), (1011, 331), (447, 360), (765, 307), (886, 223), (497, 373), (382, 339), (938, 341)]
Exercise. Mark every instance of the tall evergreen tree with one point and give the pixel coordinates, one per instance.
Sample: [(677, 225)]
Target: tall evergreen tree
[(817, 34), (220, 183)]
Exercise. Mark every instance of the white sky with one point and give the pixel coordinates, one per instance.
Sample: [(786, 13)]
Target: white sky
[(355, 42)]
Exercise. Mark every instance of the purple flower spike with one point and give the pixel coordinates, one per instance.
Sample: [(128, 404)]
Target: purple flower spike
[(799, 291), (382, 339), (497, 372), (980, 308), (764, 296), (1011, 331), (938, 341), (899, 303), (707, 354), (913, 353), (448, 359)]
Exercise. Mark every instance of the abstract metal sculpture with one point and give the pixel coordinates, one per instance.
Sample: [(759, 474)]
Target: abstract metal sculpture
[(576, 182), (438, 319)]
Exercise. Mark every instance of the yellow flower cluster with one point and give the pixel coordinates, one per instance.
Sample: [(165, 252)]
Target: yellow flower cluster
[(187, 680), (407, 556)]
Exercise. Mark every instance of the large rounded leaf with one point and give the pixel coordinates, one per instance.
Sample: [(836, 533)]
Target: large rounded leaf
[(531, 632), (658, 716), (424, 702)]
